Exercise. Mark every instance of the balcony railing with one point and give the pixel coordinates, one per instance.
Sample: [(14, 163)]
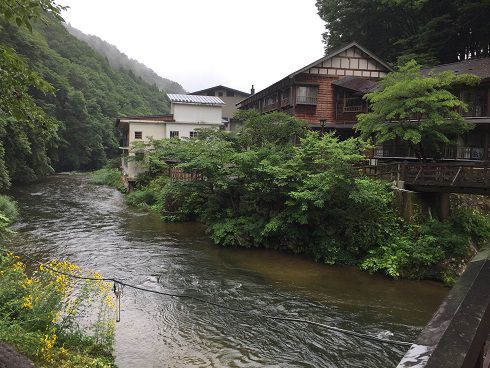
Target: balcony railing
[(306, 100), (285, 102), (450, 152)]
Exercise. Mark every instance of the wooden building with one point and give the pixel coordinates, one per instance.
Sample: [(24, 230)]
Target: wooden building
[(473, 146), (326, 93)]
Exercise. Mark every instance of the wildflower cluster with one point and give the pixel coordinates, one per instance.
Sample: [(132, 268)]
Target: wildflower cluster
[(53, 317)]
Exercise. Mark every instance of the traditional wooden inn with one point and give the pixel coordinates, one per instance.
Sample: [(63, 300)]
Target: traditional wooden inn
[(188, 114), (328, 95)]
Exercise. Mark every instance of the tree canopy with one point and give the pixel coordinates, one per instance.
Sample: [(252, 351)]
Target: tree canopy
[(430, 31), (59, 97), (415, 108)]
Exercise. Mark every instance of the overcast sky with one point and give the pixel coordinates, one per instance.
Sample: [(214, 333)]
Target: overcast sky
[(202, 43)]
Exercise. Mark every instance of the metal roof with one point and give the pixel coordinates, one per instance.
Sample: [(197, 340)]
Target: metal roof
[(195, 99)]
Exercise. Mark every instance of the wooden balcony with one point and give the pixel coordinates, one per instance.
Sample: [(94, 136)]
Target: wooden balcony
[(306, 100)]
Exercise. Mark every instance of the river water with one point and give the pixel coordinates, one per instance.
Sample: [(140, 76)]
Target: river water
[(65, 217)]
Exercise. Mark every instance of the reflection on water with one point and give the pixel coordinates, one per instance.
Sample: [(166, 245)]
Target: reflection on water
[(66, 217)]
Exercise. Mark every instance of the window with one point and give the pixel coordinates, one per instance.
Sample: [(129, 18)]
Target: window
[(230, 94), (220, 93), (174, 134), (353, 104), (306, 95), (210, 93), (193, 134), (138, 135), (476, 101)]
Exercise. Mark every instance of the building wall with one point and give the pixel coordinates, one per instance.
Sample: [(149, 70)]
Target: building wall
[(185, 129), (149, 130), (187, 113), (325, 107)]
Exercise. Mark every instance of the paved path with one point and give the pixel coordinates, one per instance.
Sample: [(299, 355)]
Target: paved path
[(9, 358)]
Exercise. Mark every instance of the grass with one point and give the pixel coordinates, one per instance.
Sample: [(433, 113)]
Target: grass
[(108, 176)]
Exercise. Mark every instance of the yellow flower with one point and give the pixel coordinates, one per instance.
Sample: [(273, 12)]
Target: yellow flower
[(27, 302), (27, 283)]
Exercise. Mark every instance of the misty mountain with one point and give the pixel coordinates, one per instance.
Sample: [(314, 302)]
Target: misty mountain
[(119, 60)]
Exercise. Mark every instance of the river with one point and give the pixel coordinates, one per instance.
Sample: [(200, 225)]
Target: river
[(65, 217)]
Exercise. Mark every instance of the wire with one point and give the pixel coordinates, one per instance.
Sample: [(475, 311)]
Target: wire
[(222, 306)]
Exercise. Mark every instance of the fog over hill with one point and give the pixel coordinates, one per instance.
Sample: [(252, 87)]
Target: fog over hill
[(117, 59)]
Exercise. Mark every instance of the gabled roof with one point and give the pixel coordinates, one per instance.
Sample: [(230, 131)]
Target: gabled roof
[(203, 91), (195, 99), (321, 60), (479, 67), (339, 51)]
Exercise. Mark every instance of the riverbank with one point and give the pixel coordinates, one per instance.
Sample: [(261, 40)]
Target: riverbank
[(277, 185)]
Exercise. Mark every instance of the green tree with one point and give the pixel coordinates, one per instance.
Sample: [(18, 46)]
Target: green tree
[(420, 29), (417, 109)]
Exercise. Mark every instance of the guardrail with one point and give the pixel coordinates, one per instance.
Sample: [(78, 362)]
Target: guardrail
[(457, 336)]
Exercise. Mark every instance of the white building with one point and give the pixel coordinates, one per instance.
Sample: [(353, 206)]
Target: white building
[(189, 113)]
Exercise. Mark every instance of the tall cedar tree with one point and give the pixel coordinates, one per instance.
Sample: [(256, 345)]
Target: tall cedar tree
[(420, 29)]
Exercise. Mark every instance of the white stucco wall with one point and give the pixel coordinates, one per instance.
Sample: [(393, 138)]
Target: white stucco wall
[(185, 129), (149, 130), (185, 113)]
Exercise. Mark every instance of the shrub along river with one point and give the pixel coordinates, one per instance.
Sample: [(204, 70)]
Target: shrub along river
[(65, 217)]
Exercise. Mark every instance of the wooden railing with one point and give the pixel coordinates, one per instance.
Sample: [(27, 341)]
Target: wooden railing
[(448, 176), (306, 100)]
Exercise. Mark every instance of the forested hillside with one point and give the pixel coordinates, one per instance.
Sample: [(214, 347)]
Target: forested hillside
[(432, 31), (119, 60), (76, 130)]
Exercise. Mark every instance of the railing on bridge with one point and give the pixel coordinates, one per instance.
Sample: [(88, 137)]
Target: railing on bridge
[(448, 176), (457, 336)]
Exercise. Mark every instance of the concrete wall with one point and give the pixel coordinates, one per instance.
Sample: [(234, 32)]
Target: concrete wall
[(149, 130), (186, 113), (185, 129)]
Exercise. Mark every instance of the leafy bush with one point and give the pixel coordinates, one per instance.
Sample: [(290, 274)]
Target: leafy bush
[(108, 176), (141, 198), (9, 208), (40, 315), (435, 249)]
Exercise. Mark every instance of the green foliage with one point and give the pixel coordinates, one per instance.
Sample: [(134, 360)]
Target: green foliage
[(40, 315), (9, 208), (108, 176), (417, 109), (435, 249), (421, 29), (23, 11), (58, 97), (276, 185)]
